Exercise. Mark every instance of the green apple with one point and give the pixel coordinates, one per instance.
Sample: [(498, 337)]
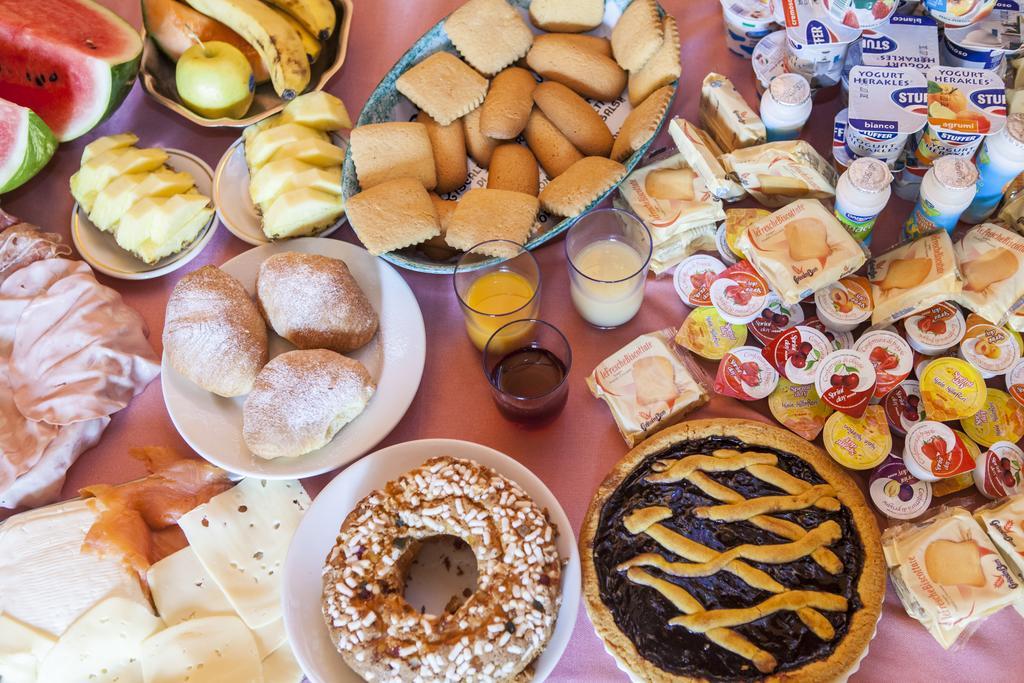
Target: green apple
[(215, 79)]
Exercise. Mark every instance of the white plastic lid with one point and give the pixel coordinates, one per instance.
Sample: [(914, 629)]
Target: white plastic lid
[(955, 173), (869, 174), (790, 89)]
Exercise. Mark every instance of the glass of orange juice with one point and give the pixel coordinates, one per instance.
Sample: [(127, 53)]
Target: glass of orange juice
[(495, 291)]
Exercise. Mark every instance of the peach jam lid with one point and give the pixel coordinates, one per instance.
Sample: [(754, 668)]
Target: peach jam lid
[(707, 334), (951, 388), (991, 349), (998, 471), (932, 451), (890, 354), (846, 381), (739, 293), (1015, 381), (797, 352), (1000, 419), (845, 304), (745, 374), (859, 443), (693, 278), (903, 406), (896, 492), (935, 329)]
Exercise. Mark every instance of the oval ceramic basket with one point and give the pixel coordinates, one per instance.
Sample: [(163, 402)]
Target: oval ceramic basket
[(157, 76), (387, 104)]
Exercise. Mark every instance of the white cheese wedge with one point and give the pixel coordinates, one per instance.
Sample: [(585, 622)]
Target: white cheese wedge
[(22, 648), (46, 581), (241, 538), (281, 666), (206, 650), (103, 646), (182, 590)]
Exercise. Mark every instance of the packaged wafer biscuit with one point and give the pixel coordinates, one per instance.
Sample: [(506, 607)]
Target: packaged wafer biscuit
[(777, 173)]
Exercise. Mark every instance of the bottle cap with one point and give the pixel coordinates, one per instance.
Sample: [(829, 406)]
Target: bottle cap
[(790, 89), (869, 174), (955, 173), (1015, 128)]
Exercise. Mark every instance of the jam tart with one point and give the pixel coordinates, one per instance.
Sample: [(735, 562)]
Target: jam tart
[(731, 550)]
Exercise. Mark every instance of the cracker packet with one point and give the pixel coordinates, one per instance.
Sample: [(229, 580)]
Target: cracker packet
[(912, 277), (726, 115), (777, 173), (670, 198), (1003, 521), (800, 249), (670, 253), (702, 154), (649, 384), (948, 574), (990, 261)]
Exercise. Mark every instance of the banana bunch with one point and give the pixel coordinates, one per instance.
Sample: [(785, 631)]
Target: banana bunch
[(285, 33)]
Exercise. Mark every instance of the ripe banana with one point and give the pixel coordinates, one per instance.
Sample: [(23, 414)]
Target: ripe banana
[(317, 16), (277, 43), (311, 44)]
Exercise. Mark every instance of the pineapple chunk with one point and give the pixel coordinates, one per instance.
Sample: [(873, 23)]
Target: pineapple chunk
[(108, 142), (158, 226), (267, 142), (319, 110), (119, 196), (312, 151), (301, 212), (280, 176), (96, 174)]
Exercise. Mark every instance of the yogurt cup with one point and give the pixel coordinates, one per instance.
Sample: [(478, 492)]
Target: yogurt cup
[(846, 304), (901, 41), (998, 472), (984, 44), (1015, 381), (958, 12), (935, 330), (722, 245), (951, 388), (745, 374), (891, 356), (858, 443), (932, 451), (693, 278), (846, 381), (706, 334), (992, 350), (817, 43), (797, 352), (896, 492), (887, 105), (775, 317), (860, 13), (903, 407), (739, 293), (769, 60), (964, 105), (1000, 419), (799, 408), (746, 23), (842, 157)]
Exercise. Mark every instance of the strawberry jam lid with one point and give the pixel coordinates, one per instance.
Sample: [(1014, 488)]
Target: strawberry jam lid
[(896, 492), (693, 278), (796, 353), (999, 471), (774, 318), (739, 293), (935, 329), (890, 354), (745, 374), (846, 381), (932, 451), (858, 443)]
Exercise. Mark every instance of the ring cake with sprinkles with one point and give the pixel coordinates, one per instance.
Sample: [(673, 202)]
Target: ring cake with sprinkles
[(497, 632), (731, 550)]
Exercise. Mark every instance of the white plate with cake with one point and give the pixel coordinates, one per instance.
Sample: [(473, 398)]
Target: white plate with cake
[(321, 401), (412, 472)]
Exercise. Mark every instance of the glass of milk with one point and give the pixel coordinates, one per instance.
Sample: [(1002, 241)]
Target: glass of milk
[(608, 252)]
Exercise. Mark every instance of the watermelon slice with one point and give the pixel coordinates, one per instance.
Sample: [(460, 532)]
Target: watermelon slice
[(26, 144), (70, 61)]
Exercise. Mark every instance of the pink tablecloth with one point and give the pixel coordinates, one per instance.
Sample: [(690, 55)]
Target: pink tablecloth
[(573, 454)]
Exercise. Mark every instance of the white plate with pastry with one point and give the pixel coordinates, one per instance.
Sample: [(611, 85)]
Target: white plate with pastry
[(306, 411), (431, 579), (100, 249)]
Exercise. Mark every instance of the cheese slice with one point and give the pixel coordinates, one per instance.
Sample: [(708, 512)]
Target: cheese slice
[(46, 581), (22, 648), (206, 650), (103, 646), (241, 538), (282, 667), (182, 590)]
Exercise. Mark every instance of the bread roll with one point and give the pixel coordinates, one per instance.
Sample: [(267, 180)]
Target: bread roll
[(507, 105), (553, 150), (213, 333), (513, 167), (301, 399), (574, 118), (314, 302), (588, 73)]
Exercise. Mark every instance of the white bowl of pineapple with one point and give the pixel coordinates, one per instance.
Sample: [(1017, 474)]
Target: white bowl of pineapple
[(282, 178)]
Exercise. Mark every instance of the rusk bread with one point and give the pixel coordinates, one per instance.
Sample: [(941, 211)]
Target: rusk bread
[(479, 146), (642, 124), (513, 167), (572, 192), (508, 103), (213, 332), (301, 399), (314, 302), (392, 215), (490, 34), (601, 46), (443, 86), (449, 146), (390, 150), (661, 69), (571, 16), (484, 215), (637, 35), (574, 118), (588, 73), (552, 149)]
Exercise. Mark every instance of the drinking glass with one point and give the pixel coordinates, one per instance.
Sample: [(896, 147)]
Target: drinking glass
[(609, 252), (496, 293), (528, 378)]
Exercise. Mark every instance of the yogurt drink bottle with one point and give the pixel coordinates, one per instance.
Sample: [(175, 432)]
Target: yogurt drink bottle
[(999, 161), (946, 190), (785, 106), (861, 194)]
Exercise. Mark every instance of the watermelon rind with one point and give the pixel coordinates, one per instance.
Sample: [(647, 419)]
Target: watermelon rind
[(31, 152)]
